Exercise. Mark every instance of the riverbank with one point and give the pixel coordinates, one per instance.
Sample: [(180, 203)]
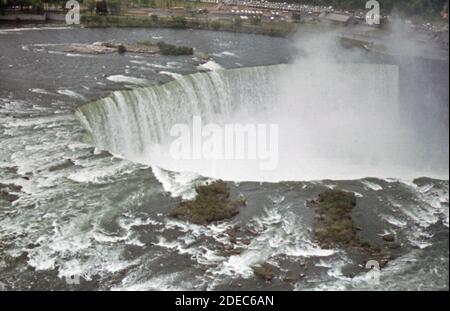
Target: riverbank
[(27, 17), (277, 29)]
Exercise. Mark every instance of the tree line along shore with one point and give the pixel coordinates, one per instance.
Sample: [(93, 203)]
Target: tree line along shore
[(220, 15), (181, 22)]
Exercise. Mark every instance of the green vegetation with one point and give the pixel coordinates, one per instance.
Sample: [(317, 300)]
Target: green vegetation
[(278, 29), (146, 47), (154, 17), (169, 49), (121, 49), (216, 25), (146, 43), (334, 221), (334, 227), (255, 20), (179, 22), (237, 22), (334, 208), (212, 203)]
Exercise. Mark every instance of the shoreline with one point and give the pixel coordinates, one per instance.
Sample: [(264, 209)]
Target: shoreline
[(353, 36), (278, 29)]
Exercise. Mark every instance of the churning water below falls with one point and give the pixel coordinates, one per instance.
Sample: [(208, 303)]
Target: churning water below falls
[(87, 179)]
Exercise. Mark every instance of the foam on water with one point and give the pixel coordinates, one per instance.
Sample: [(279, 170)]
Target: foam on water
[(371, 185), (403, 273), (417, 211), (171, 74), (71, 93), (59, 217), (278, 231), (210, 65), (40, 91), (178, 183), (166, 282), (225, 53), (128, 79), (99, 175)]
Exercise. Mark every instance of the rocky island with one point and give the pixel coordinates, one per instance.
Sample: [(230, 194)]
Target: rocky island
[(145, 47)]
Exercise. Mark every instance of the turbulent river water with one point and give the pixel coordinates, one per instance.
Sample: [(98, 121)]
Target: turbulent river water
[(78, 135)]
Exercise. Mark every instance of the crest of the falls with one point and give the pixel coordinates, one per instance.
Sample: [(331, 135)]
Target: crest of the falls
[(335, 122)]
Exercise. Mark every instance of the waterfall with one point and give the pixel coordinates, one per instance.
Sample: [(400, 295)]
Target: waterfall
[(336, 122), (127, 122)]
